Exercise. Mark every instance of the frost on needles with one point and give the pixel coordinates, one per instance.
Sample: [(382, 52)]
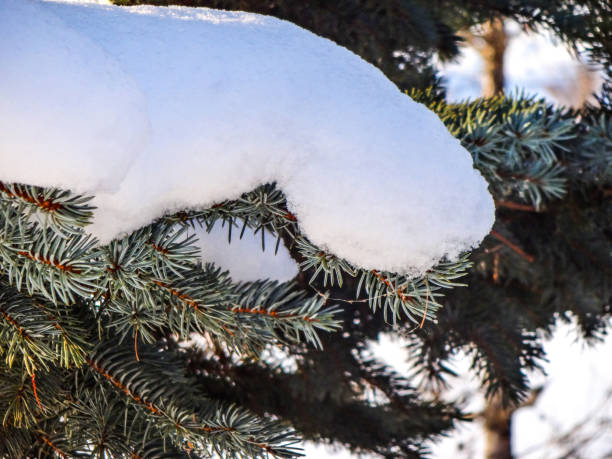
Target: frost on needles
[(155, 110)]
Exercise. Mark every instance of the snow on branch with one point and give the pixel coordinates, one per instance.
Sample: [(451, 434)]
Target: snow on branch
[(155, 110)]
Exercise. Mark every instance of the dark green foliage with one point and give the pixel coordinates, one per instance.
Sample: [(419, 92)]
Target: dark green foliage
[(95, 350)]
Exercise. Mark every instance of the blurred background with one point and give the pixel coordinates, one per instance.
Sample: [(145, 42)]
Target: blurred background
[(569, 414)]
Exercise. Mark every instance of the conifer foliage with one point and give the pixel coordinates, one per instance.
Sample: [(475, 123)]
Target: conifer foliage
[(97, 339), (97, 348)]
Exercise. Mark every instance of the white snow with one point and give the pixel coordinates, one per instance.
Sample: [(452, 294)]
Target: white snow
[(69, 115), (158, 109), (244, 257)]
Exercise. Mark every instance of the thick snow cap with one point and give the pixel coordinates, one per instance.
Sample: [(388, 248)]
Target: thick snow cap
[(154, 109)]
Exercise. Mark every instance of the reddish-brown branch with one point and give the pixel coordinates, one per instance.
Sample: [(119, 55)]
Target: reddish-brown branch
[(425, 310), (262, 312), (35, 391), (405, 298), (136, 344), (181, 296), (16, 324), (119, 385), (59, 452), (217, 429), (516, 206), (513, 246), (114, 268), (290, 216), (263, 446), (50, 317), (45, 204), (46, 261), (147, 404), (158, 248), (496, 268), (275, 314)]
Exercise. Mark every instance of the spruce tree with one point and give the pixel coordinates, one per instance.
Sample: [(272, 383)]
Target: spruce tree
[(93, 337)]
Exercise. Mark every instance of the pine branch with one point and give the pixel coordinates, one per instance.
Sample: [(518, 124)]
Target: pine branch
[(204, 425)]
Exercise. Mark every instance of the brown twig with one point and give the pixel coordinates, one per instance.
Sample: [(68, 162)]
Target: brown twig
[(496, 268), (35, 391), (265, 312), (17, 325), (147, 404), (59, 452), (514, 247), (425, 308), (136, 344), (44, 204), (185, 298), (48, 262), (516, 206)]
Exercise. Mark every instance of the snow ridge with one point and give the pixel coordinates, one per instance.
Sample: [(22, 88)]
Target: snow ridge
[(155, 109)]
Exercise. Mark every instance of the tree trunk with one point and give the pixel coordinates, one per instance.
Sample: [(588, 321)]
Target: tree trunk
[(494, 41), (491, 44), (497, 426)]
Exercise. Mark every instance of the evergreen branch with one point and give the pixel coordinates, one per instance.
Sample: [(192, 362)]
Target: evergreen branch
[(197, 300), (15, 235), (172, 251), (17, 399), (282, 311), (56, 267), (61, 209), (126, 262), (14, 442), (49, 443), (72, 347), (26, 332), (224, 428), (48, 262), (527, 150), (135, 319), (123, 388), (265, 209)]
